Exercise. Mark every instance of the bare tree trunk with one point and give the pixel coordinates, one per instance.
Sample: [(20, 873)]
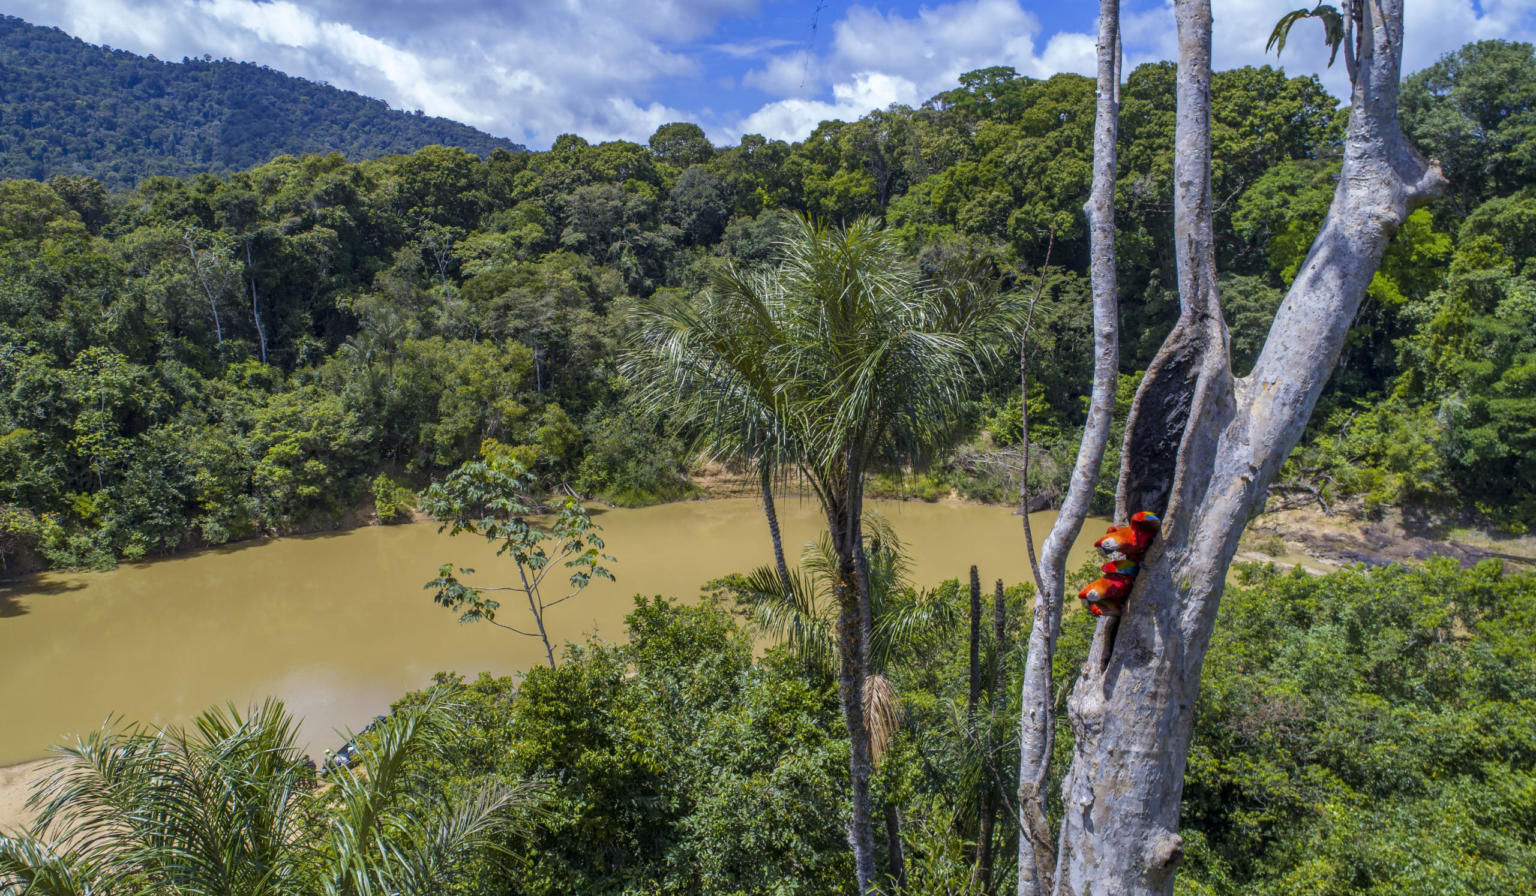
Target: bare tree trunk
[(1132, 709), (853, 627), (973, 689), (197, 266), (850, 686), (999, 639), (981, 871), (1037, 722), (766, 471), (261, 335), (536, 608), (893, 844), (981, 875)]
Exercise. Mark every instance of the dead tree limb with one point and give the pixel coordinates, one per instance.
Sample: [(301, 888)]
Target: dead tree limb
[(1037, 722)]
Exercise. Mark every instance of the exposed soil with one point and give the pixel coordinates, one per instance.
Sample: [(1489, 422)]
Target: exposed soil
[(14, 783), (714, 479), (1346, 536)]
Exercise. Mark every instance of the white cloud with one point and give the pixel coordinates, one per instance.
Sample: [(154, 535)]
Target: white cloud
[(929, 50), (529, 71), (879, 58), (533, 69), (850, 99), (1431, 28)]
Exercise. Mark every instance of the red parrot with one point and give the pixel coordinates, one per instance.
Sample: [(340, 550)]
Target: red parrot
[(1104, 596), (1133, 540)]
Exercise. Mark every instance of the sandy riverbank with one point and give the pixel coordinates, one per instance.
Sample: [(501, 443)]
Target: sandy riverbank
[(14, 783)]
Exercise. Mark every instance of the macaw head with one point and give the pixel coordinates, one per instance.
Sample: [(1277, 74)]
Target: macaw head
[(1116, 539)]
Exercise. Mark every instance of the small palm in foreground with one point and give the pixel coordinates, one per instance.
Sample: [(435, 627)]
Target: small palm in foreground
[(804, 615), (231, 808)]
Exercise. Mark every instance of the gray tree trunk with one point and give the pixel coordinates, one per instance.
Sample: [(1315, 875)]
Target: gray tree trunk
[(765, 470), (197, 266), (894, 847), (1201, 448), (851, 591), (261, 334), (1037, 855)]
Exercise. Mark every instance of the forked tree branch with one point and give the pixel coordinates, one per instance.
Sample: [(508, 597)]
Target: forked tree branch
[(1207, 446)]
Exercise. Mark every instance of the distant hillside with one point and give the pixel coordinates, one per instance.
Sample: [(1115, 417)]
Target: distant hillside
[(68, 107)]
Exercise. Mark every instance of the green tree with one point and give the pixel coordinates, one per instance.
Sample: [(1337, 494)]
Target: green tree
[(1473, 110), (490, 498), (681, 144), (834, 360)]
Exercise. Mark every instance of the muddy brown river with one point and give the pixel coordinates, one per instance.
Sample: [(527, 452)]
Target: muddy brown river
[(339, 625)]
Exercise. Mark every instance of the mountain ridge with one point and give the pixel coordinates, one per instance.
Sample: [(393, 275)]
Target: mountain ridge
[(70, 107)]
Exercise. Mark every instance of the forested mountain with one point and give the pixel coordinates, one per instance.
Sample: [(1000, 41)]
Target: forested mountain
[(201, 359), (67, 107)]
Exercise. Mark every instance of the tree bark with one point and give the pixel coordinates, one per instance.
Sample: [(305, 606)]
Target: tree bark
[(766, 472), (853, 625), (999, 639), (1132, 709), (973, 690), (261, 334), (197, 266), (893, 845), (1037, 854), (981, 871)]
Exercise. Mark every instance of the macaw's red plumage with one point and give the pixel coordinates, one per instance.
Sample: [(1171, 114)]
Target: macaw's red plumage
[(1131, 541), (1104, 596)]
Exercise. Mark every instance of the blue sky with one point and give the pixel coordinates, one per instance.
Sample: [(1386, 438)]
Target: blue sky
[(618, 69)]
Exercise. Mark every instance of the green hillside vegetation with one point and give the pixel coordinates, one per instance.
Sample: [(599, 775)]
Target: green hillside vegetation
[(70, 108), (202, 359)]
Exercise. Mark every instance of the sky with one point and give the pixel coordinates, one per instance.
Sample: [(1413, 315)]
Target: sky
[(531, 70)]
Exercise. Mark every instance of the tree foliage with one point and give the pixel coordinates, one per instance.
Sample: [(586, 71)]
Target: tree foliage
[(411, 307)]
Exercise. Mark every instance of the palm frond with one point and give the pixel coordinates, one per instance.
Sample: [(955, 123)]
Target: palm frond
[(799, 616), (29, 867), (882, 713), (200, 813), (436, 852)]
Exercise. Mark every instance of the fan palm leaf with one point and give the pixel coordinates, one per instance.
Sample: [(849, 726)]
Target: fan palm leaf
[(225, 809)]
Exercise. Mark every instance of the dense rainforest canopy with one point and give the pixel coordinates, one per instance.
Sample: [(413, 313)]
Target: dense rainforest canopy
[(196, 360), (67, 107), (199, 359)]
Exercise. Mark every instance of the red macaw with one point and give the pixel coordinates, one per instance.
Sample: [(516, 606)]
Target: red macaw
[(1104, 596), (1131, 541)]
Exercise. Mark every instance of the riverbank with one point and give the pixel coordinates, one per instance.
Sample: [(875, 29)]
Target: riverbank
[(338, 624), (291, 596), (15, 784)]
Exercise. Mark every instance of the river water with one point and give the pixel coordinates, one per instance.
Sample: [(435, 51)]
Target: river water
[(339, 625)]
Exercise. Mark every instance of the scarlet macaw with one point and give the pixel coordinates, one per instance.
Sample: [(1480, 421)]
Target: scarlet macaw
[(1104, 596), (1131, 541)]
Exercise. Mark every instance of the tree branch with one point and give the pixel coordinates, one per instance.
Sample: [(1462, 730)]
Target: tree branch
[(1037, 722)]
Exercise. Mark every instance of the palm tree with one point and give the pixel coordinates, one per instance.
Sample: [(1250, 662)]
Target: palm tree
[(833, 360), (232, 808), (801, 611), (804, 615)]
